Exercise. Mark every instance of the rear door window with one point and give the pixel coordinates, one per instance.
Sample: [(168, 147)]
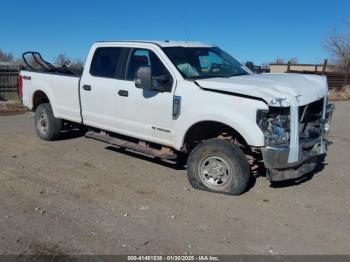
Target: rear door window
[(105, 62)]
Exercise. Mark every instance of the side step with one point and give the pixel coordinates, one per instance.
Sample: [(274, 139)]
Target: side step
[(141, 147)]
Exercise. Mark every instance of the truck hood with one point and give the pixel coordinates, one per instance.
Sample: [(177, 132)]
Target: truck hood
[(274, 89)]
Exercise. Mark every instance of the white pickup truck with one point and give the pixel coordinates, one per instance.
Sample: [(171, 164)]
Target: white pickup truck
[(187, 100)]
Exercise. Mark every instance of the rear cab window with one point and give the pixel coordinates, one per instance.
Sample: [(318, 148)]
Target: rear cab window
[(105, 62)]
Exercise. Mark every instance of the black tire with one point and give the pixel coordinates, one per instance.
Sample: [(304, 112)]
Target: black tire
[(182, 158), (46, 125), (228, 161)]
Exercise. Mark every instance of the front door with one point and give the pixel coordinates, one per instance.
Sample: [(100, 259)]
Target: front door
[(146, 114)]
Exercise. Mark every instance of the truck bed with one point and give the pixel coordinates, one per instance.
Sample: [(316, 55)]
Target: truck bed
[(62, 91)]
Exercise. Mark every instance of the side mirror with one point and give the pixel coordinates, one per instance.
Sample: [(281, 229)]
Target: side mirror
[(143, 77)]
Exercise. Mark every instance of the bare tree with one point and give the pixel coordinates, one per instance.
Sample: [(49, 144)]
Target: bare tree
[(338, 45), (279, 60), (265, 65), (78, 63), (62, 59), (293, 60), (19, 61), (5, 57)]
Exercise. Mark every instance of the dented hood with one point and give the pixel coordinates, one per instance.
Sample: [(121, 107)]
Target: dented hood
[(274, 89)]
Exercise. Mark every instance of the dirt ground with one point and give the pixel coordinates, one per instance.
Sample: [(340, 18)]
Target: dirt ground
[(79, 196)]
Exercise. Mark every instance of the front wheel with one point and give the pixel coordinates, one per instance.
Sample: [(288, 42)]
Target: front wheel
[(47, 126), (220, 166)]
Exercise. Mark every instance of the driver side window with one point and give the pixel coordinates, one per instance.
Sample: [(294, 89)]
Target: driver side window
[(143, 57)]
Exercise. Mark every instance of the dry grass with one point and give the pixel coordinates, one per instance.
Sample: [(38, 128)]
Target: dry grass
[(337, 95), (12, 106)]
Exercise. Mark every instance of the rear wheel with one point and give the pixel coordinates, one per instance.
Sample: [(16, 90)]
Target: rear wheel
[(218, 166), (47, 126)]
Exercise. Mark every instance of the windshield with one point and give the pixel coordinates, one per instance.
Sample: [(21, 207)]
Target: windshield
[(204, 62)]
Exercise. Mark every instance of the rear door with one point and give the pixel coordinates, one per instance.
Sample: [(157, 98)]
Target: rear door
[(98, 88)]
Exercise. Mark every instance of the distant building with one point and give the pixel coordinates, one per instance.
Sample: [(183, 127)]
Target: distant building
[(282, 68)]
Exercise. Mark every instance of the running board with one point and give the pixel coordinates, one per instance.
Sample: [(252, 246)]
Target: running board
[(164, 153)]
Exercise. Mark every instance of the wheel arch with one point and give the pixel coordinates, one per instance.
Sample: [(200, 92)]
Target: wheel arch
[(207, 129), (39, 97)]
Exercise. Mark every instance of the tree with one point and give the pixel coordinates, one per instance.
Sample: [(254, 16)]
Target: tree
[(279, 60), (265, 65), (5, 57), (293, 60), (78, 63), (19, 61), (62, 59), (338, 45)]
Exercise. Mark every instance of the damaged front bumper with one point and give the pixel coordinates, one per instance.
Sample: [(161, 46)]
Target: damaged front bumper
[(275, 158)]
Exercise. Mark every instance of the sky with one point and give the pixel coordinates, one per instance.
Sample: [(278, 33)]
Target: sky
[(258, 31)]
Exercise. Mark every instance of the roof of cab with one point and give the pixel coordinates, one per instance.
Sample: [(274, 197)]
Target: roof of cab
[(165, 43)]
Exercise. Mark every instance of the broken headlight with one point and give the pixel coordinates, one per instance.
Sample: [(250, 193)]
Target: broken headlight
[(275, 125), (329, 112)]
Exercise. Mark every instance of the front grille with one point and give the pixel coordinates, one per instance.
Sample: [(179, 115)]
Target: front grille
[(310, 119), (313, 111)]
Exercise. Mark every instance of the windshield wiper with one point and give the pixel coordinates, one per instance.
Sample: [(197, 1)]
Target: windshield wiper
[(242, 74), (203, 77), (198, 77), (215, 76)]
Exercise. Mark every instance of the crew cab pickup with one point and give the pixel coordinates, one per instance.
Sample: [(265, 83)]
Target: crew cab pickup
[(187, 101)]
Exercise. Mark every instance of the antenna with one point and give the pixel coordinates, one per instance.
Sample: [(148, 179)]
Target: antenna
[(185, 29)]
